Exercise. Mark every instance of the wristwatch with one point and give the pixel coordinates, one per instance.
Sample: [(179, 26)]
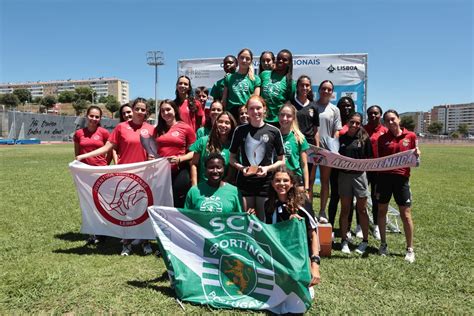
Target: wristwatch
[(316, 259)]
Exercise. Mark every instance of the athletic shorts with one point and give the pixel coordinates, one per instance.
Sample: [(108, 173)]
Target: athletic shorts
[(398, 185), (353, 184), (253, 186)]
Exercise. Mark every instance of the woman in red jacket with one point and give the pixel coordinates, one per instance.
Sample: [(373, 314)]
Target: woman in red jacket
[(375, 129), (395, 181)]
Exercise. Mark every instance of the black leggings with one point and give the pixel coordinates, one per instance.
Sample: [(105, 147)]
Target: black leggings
[(372, 178), (181, 183), (334, 199)]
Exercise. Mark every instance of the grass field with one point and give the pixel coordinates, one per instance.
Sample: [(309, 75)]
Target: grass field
[(46, 269)]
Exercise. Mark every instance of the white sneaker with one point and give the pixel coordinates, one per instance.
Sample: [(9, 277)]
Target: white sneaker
[(349, 235), (332, 236), (362, 247), (358, 232), (323, 219), (410, 256), (311, 292), (345, 247), (376, 232), (147, 248), (126, 250), (383, 250)]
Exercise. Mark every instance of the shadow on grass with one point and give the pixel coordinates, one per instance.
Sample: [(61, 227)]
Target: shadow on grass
[(71, 236), (150, 284), (111, 246), (370, 251), (105, 249), (168, 291)]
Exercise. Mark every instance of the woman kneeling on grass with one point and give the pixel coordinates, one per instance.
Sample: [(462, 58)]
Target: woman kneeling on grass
[(214, 194), (395, 181), (355, 143), (285, 203)]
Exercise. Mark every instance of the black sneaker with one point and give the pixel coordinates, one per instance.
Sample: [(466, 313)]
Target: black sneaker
[(92, 240), (100, 239)]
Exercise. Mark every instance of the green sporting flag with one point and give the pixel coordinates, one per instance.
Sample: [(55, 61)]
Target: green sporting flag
[(233, 260)]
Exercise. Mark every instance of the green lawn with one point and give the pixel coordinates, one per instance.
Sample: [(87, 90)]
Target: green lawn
[(46, 269)]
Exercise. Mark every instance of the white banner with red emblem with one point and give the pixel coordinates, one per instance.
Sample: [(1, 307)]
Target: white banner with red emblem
[(114, 199)]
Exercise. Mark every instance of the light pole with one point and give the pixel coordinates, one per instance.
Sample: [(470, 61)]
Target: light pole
[(155, 58)]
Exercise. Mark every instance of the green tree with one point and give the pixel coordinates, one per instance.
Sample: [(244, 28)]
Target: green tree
[(112, 104), (103, 99), (67, 97), (10, 100), (85, 93), (37, 100), (435, 128), (23, 95), (49, 101), (80, 105), (151, 104), (463, 129), (408, 122), (455, 135)]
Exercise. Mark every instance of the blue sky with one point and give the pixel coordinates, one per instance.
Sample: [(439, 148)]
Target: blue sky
[(420, 52)]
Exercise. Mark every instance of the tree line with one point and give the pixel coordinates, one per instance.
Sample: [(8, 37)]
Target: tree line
[(435, 128), (81, 98)]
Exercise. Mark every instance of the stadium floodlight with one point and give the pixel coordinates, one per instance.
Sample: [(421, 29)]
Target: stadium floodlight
[(155, 58)]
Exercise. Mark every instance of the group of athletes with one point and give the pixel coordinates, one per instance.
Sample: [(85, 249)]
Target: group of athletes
[(247, 152)]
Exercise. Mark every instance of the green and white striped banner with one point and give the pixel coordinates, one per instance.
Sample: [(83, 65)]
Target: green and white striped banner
[(233, 260)]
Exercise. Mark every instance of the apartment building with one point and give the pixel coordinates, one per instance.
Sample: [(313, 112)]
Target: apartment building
[(421, 119), (452, 115), (119, 88)]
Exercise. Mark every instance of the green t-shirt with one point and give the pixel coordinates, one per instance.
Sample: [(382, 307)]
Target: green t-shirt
[(274, 91), (239, 89), (200, 147), (203, 197), (218, 89), (293, 151), (202, 131)]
